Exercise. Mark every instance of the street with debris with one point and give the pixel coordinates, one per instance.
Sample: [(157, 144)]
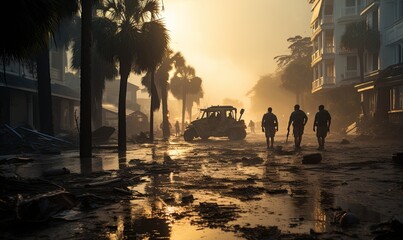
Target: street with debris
[(207, 189)]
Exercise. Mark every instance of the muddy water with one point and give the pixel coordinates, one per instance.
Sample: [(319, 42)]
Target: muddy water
[(215, 189)]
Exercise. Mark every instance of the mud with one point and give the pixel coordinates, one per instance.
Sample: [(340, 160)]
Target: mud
[(220, 189)]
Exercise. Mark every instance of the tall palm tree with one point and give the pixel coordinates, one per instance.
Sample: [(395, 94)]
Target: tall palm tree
[(361, 37), (138, 42), (152, 48), (104, 71), (85, 98), (184, 82)]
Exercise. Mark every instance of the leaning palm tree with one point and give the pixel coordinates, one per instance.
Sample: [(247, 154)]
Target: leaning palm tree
[(136, 45), (361, 37)]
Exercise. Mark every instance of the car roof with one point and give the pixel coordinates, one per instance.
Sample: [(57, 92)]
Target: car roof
[(216, 108)]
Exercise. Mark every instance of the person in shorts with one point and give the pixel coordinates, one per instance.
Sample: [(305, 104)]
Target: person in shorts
[(269, 127), (322, 124)]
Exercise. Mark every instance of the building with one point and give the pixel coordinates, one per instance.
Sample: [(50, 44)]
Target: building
[(19, 98), (333, 67)]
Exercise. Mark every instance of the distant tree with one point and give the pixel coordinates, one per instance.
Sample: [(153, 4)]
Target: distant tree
[(184, 82), (296, 67), (360, 36)]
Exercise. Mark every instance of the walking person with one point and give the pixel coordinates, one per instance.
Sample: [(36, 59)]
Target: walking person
[(322, 123), (177, 130), (269, 127), (298, 119), (251, 126)]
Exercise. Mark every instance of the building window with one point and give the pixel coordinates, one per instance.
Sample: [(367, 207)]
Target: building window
[(350, 3), (375, 64), (400, 14), (399, 55), (329, 8), (351, 63), (396, 98)]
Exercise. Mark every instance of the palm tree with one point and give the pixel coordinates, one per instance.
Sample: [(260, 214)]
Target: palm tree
[(85, 98), (361, 37), (137, 42), (162, 84), (104, 71), (184, 82)]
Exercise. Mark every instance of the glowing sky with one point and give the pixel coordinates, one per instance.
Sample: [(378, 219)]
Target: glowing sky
[(231, 43)]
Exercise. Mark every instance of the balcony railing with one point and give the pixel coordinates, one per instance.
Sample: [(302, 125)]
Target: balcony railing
[(329, 50), (323, 81), (316, 55), (351, 11), (394, 33)]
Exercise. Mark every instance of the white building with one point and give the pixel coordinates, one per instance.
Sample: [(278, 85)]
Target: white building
[(332, 65), (382, 90)]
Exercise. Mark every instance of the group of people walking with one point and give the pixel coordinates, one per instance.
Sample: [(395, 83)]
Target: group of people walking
[(298, 120)]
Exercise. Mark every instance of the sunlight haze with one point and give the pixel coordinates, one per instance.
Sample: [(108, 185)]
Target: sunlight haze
[(231, 43)]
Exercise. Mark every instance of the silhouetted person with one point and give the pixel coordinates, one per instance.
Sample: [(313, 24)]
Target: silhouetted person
[(251, 126), (322, 123), (298, 119), (177, 130), (269, 127)]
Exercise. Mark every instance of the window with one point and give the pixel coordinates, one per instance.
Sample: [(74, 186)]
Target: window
[(375, 64), (350, 3), (375, 20), (399, 56), (351, 63), (396, 98)]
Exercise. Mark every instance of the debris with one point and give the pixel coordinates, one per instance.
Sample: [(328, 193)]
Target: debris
[(397, 157), (16, 160), (123, 191), (277, 191), (313, 158), (390, 230), (345, 141), (101, 183), (56, 172), (187, 199), (346, 219), (102, 134)]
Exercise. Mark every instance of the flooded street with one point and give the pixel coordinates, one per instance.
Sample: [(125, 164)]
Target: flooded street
[(220, 189)]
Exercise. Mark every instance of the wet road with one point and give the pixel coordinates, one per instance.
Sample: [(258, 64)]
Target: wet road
[(220, 189)]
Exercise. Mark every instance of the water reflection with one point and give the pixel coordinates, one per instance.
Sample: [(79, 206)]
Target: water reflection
[(122, 160), (86, 165)]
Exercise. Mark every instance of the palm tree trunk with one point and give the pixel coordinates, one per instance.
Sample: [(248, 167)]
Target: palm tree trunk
[(44, 92), (164, 99), (85, 104), (124, 74), (151, 107), (96, 104), (183, 107)]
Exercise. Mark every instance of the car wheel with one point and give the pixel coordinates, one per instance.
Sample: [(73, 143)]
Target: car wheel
[(188, 135)]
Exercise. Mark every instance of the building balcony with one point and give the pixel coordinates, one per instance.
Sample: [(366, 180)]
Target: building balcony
[(350, 74), (325, 53), (350, 12), (323, 82), (394, 33)]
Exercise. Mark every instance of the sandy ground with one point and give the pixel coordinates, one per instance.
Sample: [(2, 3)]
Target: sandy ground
[(220, 189)]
